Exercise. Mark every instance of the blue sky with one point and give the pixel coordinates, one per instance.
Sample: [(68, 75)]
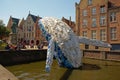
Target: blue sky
[(20, 8)]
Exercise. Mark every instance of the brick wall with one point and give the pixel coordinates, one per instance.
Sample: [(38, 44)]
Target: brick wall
[(103, 55), (113, 55), (92, 54)]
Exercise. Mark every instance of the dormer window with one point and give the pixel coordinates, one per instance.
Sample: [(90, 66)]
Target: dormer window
[(89, 2)]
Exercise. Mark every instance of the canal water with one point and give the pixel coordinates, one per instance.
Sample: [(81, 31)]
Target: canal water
[(91, 70)]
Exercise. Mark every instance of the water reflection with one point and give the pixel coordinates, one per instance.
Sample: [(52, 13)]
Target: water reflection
[(85, 66), (91, 70), (66, 74)]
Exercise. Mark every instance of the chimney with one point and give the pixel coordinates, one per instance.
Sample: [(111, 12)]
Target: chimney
[(70, 18), (70, 21)]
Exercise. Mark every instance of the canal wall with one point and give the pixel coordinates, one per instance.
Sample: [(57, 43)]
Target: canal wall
[(103, 55), (8, 58), (25, 56)]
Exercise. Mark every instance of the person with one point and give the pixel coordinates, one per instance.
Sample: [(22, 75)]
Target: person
[(18, 47), (7, 47), (40, 46), (31, 45)]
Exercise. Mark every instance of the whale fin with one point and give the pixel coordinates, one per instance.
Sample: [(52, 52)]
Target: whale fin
[(93, 42)]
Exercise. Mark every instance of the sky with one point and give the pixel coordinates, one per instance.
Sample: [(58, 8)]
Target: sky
[(44, 8)]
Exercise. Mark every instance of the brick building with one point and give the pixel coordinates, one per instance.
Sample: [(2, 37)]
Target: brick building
[(19, 30), (31, 32), (70, 23), (25, 30), (114, 23), (12, 26), (99, 19)]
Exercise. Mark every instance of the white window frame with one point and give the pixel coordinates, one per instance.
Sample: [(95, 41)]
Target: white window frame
[(102, 20), (113, 33), (89, 2), (84, 12), (103, 35), (93, 10), (84, 33), (102, 9), (85, 22), (93, 34), (112, 16), (94, 22)]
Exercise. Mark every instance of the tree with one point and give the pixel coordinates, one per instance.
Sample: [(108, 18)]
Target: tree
[(4, 32), (1, 23)]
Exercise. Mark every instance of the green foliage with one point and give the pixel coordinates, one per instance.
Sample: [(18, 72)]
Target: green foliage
[(1, 23), (4, 32), (2, 46)]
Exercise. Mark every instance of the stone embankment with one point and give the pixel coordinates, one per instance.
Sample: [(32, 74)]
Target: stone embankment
[(6, 75)]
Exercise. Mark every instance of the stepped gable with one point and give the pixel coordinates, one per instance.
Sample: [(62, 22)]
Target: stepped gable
[(34, 17)]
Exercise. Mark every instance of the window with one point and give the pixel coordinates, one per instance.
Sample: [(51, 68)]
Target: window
[(84, 22), (94, 22), (96, 47), (84, 12), (102, 9), (27, 35), (23, 28), (113, 16), (27, 28), (93, 34), (84, 33), (93, 11), (113, 33), (32, 34), (86, 46), (102, 35), (102, 20), (24, 35), (89, 2), (30, 28)]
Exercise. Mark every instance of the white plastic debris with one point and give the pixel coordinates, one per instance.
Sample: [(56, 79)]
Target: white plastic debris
[(66, 43)]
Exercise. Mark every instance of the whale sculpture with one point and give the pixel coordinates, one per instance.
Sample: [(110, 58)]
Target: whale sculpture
[(63, 43)]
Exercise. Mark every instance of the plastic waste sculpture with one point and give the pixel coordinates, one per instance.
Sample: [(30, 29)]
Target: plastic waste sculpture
[(63, 43)]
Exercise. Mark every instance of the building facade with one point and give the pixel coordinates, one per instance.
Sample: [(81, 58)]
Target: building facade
[(12, 26), (114, 23), (19, 30), (99, 19), (70, 23), (31, 31), (26, 31)]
